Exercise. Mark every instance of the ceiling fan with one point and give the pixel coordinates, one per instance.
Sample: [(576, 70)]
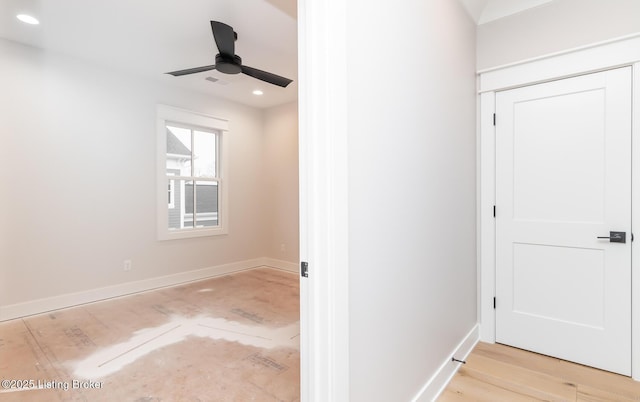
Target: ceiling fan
[(228, 62)]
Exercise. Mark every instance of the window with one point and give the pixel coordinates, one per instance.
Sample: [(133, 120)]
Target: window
[(191, 167)]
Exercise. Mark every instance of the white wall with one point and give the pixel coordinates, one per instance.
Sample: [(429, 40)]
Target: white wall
[(556, 26), (281, 182), (78, 178), (411, 108)]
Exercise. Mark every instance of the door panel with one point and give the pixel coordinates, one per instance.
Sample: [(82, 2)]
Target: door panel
[(554, 128), (563, 178), (535, 267)]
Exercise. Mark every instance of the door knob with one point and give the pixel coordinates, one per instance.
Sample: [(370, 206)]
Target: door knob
[(615, 237)]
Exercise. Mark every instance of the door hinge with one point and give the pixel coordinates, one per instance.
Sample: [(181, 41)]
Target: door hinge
[(494, 211), (631, 237), (494, 119), (494, 303), (304, 269)]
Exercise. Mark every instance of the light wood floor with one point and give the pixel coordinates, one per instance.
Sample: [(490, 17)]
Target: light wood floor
[(232, 338), (495, 373)]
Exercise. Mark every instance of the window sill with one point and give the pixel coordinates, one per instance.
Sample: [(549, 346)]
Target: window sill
[(190, 233)]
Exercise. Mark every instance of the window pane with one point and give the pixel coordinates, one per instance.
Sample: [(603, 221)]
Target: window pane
[(206, 203), (181, 215), (205, 154), (179, 151)]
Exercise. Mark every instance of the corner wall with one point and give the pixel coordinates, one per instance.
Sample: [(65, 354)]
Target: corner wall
[(281, 182), (78, 153)]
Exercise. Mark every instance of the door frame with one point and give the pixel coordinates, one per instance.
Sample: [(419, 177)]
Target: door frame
[(323, 126), (619, 52)]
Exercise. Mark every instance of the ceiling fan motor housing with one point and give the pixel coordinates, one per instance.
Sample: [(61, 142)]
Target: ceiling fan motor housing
[(228, 65)]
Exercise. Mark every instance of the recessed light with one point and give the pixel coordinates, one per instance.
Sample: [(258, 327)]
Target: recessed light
[(258, 92), (27, 19)]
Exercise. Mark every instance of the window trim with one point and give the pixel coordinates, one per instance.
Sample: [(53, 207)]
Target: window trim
[(169, 114), (171, 188)]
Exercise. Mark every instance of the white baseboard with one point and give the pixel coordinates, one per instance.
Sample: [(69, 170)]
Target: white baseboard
[(40, 306), (439, 381), (280, 264)]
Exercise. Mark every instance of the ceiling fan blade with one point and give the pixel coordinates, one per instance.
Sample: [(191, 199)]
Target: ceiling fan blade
[(192, 70), (225, 38), (267, 77)]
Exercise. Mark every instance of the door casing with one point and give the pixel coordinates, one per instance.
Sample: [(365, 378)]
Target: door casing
[(597, 57)]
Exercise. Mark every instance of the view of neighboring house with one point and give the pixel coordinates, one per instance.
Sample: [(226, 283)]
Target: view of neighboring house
[(181, 196)]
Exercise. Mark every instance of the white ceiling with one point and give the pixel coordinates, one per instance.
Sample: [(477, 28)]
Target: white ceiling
[(151, 37), (483, 11)]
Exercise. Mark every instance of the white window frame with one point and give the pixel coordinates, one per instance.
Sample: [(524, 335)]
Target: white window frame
[(172, 192), (167, 115)]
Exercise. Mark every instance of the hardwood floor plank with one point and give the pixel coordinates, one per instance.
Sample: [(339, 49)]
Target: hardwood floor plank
[(497, 368), (467, 388), (519, 379), (567, 371), (587, 393), (450, 395)]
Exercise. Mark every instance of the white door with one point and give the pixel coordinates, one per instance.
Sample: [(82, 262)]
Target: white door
[(563, 179)]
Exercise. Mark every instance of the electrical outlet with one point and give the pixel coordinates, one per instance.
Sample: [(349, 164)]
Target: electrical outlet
[(283, 247), (127, 265)]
